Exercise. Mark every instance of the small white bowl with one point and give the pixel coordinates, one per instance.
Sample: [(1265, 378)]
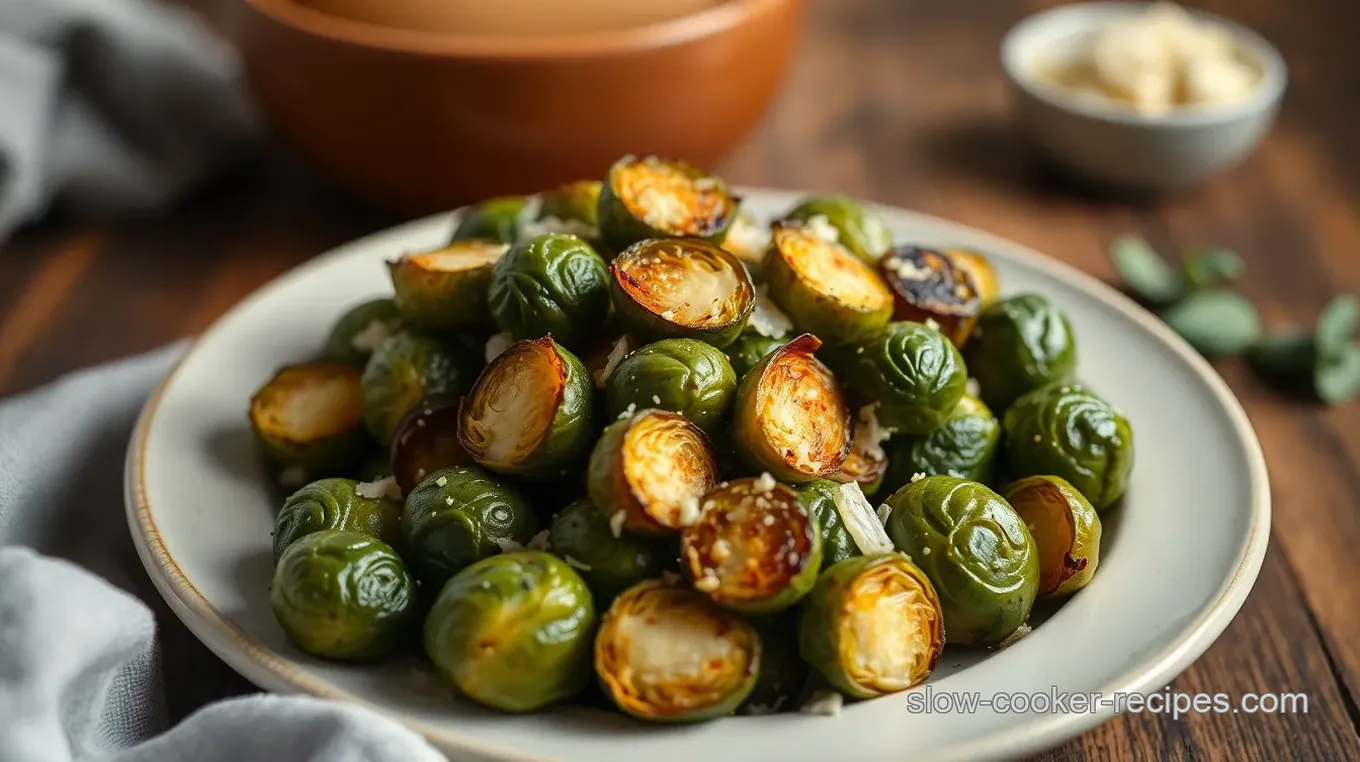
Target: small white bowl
[(1116, 146)]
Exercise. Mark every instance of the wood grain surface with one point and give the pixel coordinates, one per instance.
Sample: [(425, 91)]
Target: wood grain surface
[(900, 101)]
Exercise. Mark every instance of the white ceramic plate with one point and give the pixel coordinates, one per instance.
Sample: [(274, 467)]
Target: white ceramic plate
[(1178, 557)]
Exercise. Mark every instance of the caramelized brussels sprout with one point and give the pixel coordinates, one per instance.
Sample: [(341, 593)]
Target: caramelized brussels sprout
[(334, 504), (496, 219), (513, 631), (748, 350), (928, 286), (460, 515), (1067, 431), (755, 548), (783, 673), (342, 595), (426, 441), (310, 416), (553, 284), (819, 498), (683, 288), (748, 239), (529, 414), (609, 564), (963, 446), (651, 467), (867, 463), (823, 287), (979, 271), (680, 375), (573, 202), (791, 418), (407, 370), (361, 330), (914, 373), (651, 197), (873, 625), (445, 289), (862, 232), (975, 550), (1065, 528), (1021, 344), (668, 654)]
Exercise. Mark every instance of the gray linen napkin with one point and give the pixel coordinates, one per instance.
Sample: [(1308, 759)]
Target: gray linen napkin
[(80, 667)]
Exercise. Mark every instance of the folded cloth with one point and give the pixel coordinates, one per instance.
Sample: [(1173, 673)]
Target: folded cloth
[(111, 106), (81, 677)]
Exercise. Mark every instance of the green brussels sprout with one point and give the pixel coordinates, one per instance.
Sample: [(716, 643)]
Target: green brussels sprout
[(407, 370), (647, 468), (667, 654), (748, 350), (867, 463), (823, 287), (513, 631), (819, 497), (426, 441), (459, 516), (650, 197), (310, 416), (361, 330), (791, 418), (609, 564), (342, 595), (1020, 344), (1066, 430), (862, 232), (445, 289), (573, 202), (335, 504), (929, 287), (976, 551), (496, 219), (682, 288), (1065, 528), (551, 285), (529, 414), (980, 272), (873, 625), (914, 373), (783, 673), (963, 446), (680, 375)]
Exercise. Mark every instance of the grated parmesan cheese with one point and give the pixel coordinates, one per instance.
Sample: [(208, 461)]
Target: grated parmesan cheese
[(1016, 635), (860, 520), (573, 563), (616, 355), (973, 388), (823, 704), (706, 584), (763, 484), (539, 541), (385, 487), (766, 317), (918, 476), (689, 510), (373, 335), (823, 229), (884, 512), (932, 324), (616, 523), (628, 411), (506, 544), (869, 435), (442, 481), (497, 344)]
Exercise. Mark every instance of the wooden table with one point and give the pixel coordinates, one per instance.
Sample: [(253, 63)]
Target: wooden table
[(901, 102)]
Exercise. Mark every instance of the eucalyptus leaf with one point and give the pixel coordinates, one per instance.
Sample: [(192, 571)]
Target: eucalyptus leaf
[(1145, 272), (1337, 379), (1336, 326), (1216, 322), (1213, 266)]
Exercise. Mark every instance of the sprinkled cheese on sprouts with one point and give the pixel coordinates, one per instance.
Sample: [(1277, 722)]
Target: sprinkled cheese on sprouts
[(861, 520), (689, 510), (373, 335), (539, 541), (763, 484), (973, 388), (497, 344), (385, 487), (707, 583), (884, 512), (442, 481), (628, 411), (766, 317), (823, 229), (918, 476), (506, 544), (823, 704), (869, 435), (616, 523), (573, 563), (616, 355), (932, 324)]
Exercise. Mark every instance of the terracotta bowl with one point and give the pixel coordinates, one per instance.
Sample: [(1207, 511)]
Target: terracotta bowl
[(421, 120)]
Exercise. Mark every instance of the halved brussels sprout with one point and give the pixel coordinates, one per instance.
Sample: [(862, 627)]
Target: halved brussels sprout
[(529, 414), (819, 497), (963, 446), (980, 272), (928, 286), (668, 654), (680, 375), (361, 330), (407, 370), (334, 504), (867, 463), (513, 631), (1066, 430), (553, 284), (1021, 344), (651, 467), (862, 232), (914, 373), (496, 219), (1065, 528), (783, 673), (791, 418), (609, 564), (460, 515), (426, 441), (650, 197), (683, 288), (310, 416), (748, 239), (755, 548), (445, 289), (975, 550), (823, 287), (342, 595), (748, 350), (573, 202)]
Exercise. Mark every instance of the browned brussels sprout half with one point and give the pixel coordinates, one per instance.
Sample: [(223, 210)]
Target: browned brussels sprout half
[(790, 417), (928, 287), (1065, 528), (426, 441), (682, 288), (445, 289), (667, 654), (980, 272), (649, 470), (651, 197), (755, 548), (823, 287), (310, 416)]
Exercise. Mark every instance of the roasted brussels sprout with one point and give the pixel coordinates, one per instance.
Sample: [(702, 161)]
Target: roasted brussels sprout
[(791, 418), (426, 441), (819, 497), (1067, 431), (445, 289), (361, 330), (681, 375), (496, 219), (651, 197), (310, 416), (963, 446), (929, 287), (529, 414), (651, 467), (460, 515), (513, 631), (1065, 528), (823, 287), (342, 595), (1021, 344), (748, 350), (914, 374), (407, 370), (574, 202), (335, 504), (862, 232), (748, 239), (553, 284), (608, 563), (668, 654), (873, 625), (979, 271), (682, 288), (975, 550), (867, 463), (755, 547), (783, 673)]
